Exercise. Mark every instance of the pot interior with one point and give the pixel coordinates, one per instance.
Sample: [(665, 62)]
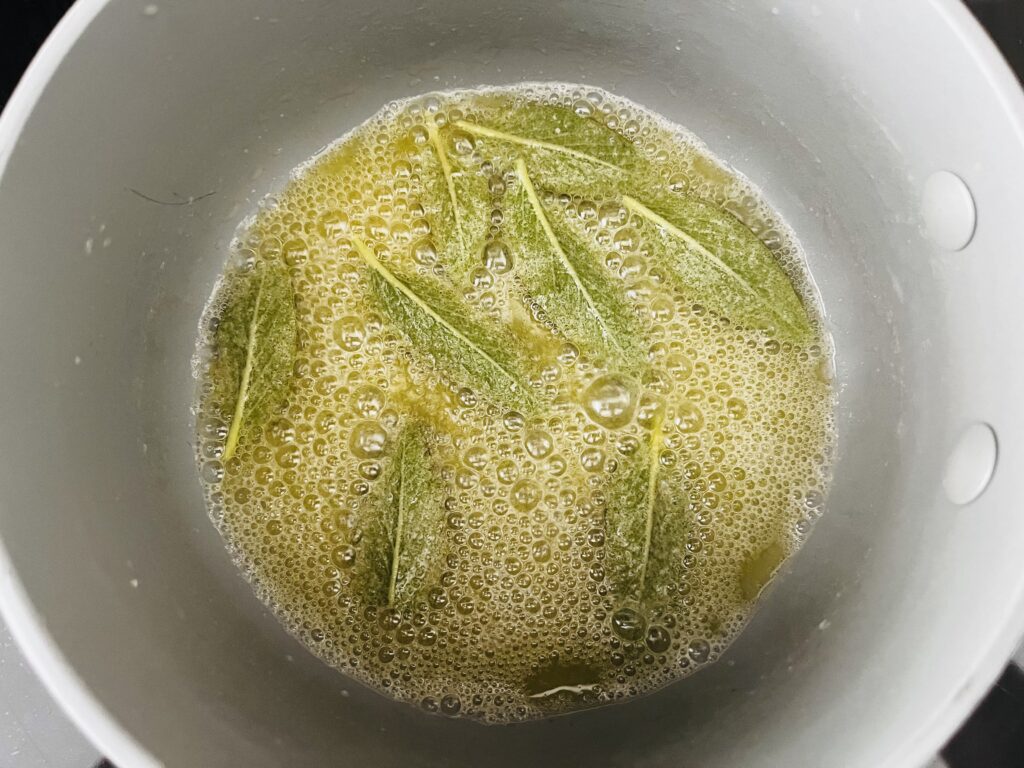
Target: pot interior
[(160, 131)]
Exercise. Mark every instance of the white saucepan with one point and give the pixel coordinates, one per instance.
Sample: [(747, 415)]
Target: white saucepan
[(144, 132)]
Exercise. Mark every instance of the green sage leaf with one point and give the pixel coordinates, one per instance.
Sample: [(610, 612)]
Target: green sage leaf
[(439, 323), (255, 345), (566, 281), (458, 203), (565, 152), (402, 524), (715, 258), (646, 521)]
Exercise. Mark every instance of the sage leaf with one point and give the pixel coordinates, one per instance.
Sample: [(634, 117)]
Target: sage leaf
[(255, 345), (557, 129), (565, 281), (567, 152), (645, 525), (458, 203), (402, 524), (716, 259), (437, 322)]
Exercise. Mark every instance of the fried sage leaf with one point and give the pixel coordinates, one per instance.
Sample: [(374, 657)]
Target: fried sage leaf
[(564, 151), (722, 264), (645, 525), (458, 201), (440, 324), (402, 524), (556, 129), (566, 281), (255, 346)]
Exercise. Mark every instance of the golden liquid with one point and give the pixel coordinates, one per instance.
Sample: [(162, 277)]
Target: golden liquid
[(522, 622)]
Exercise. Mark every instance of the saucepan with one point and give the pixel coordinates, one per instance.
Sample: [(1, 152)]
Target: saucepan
[(889, 135)]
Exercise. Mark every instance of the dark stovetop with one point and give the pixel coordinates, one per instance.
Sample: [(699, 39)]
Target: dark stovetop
[(994, 736)]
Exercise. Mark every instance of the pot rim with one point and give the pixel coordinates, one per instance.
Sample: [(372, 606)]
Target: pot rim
[(103, 729), (26, 626)]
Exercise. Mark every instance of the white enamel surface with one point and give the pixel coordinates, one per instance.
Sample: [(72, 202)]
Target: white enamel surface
[(879, 638)]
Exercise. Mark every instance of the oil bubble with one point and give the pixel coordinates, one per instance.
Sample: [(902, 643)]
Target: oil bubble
[(610, 401)]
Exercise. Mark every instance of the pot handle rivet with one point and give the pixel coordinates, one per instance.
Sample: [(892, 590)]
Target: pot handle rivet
[(971, 464), (948, 210)]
